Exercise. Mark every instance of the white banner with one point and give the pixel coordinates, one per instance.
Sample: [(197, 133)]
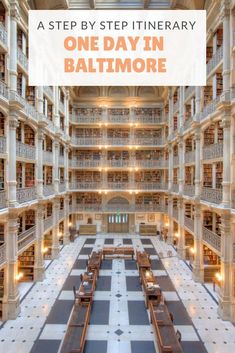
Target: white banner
[(117, 48)]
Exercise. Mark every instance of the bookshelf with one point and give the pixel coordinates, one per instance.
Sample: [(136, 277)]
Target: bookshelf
[(208, 94), (189, 144), (209, 53), (47, 244), (26, 264), (189, 210), (219, 84), (29, 136), (87, 176), (61, 175), (219, 175), (118, 111), (118, 133), (50, 111), (175, 96), (175, 176), (219, 37), (175, 122), (210, 258), (118, 177), (88, 198), (62, 122), (29, 219), (61, 232), (148, 176), (220, 134), (19, 83), (87, 155), (208, 220), (18, 132), (2, 66), (118, 155), (1, 290), (2, 234), (19, 175), (48, 176), (88, 132), (61, 203), (2, 174), (48, 144), (148, 154), (2, 125), (30, 94), (175, 150), (29, 175), (189, 175), (148, 133), (2, 14), (209, 135), (87, 111), (207, 175), (148, 199), (49, 209)]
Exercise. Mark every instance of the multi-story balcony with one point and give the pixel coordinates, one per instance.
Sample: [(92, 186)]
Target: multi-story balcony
[(26, 238), (151, 163), (118, 141), (24, 150), (215, 60), (47, 157), (22, 59), (147, 141), (87, 141), (150, 186), (119, 118), (91, 185), (88, 163), (189, 190), (213, 151), (26, 194), (3, 199), (211, 238), (111, 141), (211, 195), (118, 186), (2, 254), (117, 207), (48, 223), (190, 157), (48, 190), (148, 119), (85, 119), (4, 91), (189, 223), (3, 35), (117, 163), (209, 109), (3, 144)]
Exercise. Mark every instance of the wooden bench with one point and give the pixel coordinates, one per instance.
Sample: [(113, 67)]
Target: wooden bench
[(118, 251), (164, 329), (94, 262), (87, 229), (145, 229), (75, 337), (143, 260), (151, 288)]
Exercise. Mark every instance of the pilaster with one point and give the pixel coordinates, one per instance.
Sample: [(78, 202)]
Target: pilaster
[(39, 270), (198, 266), (55, 250)]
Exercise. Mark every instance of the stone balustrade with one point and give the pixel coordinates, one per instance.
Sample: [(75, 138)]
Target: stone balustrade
[(211, 238), (26, 151)]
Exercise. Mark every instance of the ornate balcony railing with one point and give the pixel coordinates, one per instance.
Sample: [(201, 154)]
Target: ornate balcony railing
[(211, 238), (88, 208), (151, 163), (3, 199), (61, 160), (61, 187), (48, 91), (150, 186), (213, 151), (209, 108), (117, 208), (26, 237), (48, 190), (189, 190), (118, 186), (211, 195), (175, 187), (61, 107), (190, 157), (189, 91), (175, 212), (2, 254), (4, 91), (89, 163), (48, 157), (85, 119), (3, 35), (119, 119), (117, 163), (48, 223), (122, 141), (30, 110), (26, 194), (149, 208), (189, 223), (85, 185), (215, 60), (176, 107), (3, 144), (25, 151), (145, 141), (148, 119), (22, 59), (175, 160), (187, 123), (90, 141)]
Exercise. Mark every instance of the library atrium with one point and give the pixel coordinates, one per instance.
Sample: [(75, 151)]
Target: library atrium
[(117, 204)]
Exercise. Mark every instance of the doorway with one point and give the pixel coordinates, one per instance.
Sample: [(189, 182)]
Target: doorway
[(118, 223)]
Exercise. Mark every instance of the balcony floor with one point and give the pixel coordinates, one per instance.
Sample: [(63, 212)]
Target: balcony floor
[(46, 308)]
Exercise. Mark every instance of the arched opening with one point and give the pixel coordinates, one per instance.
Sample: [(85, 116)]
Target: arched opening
[(118, 218)]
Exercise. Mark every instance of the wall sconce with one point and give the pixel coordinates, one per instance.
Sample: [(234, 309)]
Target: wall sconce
[(218, 276), (166, 224), (177, 235), (192, 250), (60, 234), (136, 169), (45, 250), (70, 224), (19, 276)]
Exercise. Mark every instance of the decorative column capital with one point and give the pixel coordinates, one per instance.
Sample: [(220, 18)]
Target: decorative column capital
[(226, 123), (224, 9), (14, 10), (13, 122)]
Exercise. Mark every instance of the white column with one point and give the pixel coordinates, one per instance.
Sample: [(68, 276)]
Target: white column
[(170, 112), (39, 270), (181, 167), (170, 217), (14, 16), (66, 167), (56, 166), (226, 123), (13, 123), (197, 101), (181, 232), (181, 107), (226, 52), (11, 299), (198, 266), (198, 163), (55, 250), (226, 302), (56, 116), (66, 112), (39, 170), (170, 176), (66, 220)]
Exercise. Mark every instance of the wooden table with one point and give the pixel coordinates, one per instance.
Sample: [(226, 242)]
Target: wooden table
[(143, 260), (151, 288), (165, 332), (118, 251), (94, 261)]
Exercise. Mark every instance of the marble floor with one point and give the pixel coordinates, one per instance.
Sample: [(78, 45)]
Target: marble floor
[(119, 320)]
